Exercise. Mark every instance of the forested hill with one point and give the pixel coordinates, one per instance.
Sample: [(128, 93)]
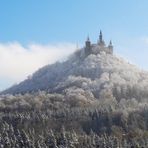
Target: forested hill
[(90, 76), (89, 101)]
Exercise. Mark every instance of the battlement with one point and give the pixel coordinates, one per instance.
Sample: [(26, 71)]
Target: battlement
[(99, 47)]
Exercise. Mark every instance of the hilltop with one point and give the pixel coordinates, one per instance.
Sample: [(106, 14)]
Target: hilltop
[(92, 70), (93, 99)]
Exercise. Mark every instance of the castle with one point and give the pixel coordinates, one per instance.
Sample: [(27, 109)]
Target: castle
[(97, 48)]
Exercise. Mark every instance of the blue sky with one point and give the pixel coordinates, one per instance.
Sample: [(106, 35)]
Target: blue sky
[(71, 20), (51, 22)]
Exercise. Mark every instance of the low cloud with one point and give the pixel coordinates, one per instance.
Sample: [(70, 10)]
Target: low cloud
[(17, 62)]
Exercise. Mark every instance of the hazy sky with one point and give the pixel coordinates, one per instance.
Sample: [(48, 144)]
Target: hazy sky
[(36, 32)]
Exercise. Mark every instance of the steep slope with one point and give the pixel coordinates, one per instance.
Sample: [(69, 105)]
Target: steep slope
[(97, 96), (95, 74)]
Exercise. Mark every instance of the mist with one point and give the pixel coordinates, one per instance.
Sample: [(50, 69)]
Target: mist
[(17, 61)]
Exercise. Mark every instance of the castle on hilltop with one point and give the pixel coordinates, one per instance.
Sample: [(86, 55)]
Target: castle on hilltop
[(98, 47)]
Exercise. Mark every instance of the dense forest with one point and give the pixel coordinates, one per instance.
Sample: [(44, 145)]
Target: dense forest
[(52, 120), (98, 101)]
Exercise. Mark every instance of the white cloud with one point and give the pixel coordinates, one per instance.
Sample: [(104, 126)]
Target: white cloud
[(17, 62)]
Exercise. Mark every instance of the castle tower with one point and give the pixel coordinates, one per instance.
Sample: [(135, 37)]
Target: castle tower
[(100, 36), (87, 43), (101, 41), (110, 46), (87, 46)]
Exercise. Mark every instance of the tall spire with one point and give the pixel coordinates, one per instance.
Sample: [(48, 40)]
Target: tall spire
[(100, 36), (101, 41)]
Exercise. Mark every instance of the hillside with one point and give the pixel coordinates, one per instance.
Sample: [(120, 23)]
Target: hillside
[(91, 70), (93, 99)]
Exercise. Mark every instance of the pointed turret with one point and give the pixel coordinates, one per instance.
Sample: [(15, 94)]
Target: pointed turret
[(100, 36), (87, 46), (110, 46), (87, 42), (101, 41)]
